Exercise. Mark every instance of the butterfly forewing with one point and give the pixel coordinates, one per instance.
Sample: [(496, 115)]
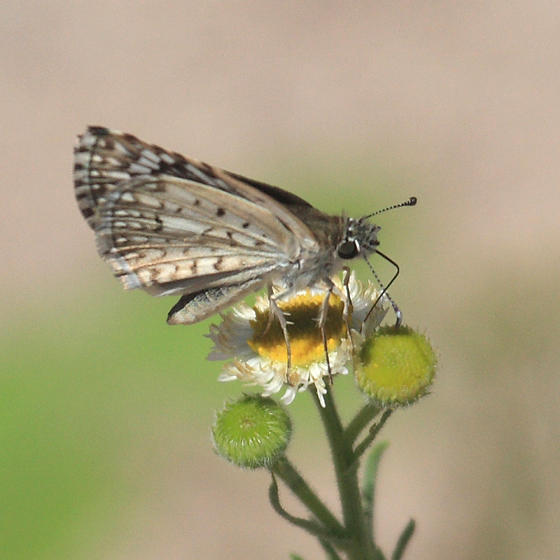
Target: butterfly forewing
[(170, 224)]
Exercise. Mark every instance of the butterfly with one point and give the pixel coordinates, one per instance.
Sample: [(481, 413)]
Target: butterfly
[(173, 225)]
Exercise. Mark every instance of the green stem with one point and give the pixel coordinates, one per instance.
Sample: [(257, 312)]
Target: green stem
[(329, 550), (296, 483), (374, 430), (362, 548), (361, 420)]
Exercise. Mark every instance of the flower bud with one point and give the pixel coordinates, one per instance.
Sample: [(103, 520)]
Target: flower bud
[(252, 432), (395, 366)]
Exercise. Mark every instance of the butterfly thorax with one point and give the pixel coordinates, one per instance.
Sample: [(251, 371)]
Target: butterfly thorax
[(316, 258)]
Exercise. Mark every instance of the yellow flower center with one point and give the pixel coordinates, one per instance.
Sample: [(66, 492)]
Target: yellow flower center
[(306, 342)]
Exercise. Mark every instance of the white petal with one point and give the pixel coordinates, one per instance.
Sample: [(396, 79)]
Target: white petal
[(289, 396)]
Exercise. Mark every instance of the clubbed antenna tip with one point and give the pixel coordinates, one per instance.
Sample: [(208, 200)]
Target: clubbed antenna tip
[(410, 202)]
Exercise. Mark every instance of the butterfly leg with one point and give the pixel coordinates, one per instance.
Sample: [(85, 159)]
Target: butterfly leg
[(323, 322), (348, 308), (275, 311), (270, 315)]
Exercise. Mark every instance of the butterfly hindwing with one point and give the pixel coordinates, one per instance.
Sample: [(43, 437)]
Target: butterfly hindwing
[(199, 305)]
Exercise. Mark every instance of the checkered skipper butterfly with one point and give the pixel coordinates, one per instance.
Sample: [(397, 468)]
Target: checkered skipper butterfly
[(173, 225)]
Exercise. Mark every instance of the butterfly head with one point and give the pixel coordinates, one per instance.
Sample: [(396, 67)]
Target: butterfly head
[(360, 238)]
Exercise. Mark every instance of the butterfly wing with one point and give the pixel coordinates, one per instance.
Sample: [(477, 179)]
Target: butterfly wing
[(170, 224)]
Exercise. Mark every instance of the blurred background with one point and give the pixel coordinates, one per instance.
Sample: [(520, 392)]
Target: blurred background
[(105, 410)]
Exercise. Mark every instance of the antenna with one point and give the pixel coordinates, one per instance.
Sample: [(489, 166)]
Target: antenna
[(410, 202), (384, 289)]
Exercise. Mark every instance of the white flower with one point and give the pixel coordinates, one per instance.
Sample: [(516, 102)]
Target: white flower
[(257, 350)]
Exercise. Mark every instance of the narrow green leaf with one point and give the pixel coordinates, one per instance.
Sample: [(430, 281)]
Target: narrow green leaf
[(403, 540), (370, 474)]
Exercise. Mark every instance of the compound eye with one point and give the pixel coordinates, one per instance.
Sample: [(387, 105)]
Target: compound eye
[(348, 250)]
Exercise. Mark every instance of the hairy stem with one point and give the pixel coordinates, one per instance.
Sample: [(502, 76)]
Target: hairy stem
[(361, 548)]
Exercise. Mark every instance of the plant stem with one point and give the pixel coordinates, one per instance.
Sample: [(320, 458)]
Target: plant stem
[(362, 548), (366, 414), (374, 430), (296, 483)]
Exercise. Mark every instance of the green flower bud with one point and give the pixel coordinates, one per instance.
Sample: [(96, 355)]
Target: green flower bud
[(252, 432), (395, 366)]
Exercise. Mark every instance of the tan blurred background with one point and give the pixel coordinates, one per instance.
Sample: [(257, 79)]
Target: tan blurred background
[(354, 106)]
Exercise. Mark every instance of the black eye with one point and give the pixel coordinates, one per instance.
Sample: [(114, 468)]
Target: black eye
[(348, 250)]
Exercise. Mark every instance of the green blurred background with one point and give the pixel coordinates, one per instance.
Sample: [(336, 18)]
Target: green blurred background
[(105, 410)]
